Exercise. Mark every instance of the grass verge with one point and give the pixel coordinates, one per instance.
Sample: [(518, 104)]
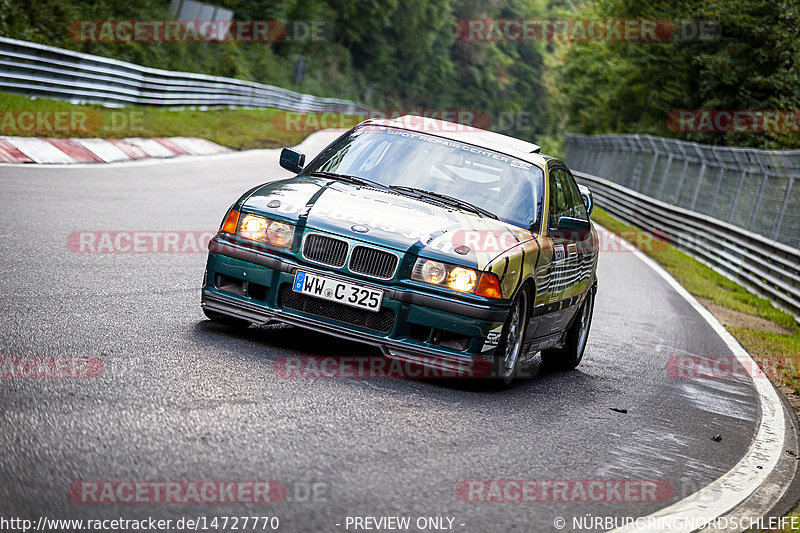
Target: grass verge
[(235, 128), (771, 336)]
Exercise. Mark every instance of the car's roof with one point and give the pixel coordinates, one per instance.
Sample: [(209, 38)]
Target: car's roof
[(498, 142)]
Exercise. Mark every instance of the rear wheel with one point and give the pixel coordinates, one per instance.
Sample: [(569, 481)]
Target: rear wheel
[(509, 349), (227, 320), (571, 355)]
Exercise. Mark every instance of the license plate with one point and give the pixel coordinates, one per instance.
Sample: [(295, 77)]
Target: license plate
[(337, 291)]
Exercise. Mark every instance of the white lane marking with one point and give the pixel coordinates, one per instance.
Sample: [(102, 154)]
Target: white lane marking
[(733, 487)]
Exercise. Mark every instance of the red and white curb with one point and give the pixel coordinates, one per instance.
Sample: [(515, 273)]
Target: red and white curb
[(66, 151)]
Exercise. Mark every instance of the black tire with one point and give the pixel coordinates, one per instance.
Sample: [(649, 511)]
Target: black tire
[(509, 349), (219, 318), (571, 355)]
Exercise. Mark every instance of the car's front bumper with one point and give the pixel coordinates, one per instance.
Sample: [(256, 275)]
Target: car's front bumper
[(256, 287)]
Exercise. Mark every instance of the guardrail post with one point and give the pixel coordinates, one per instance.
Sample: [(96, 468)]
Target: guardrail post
[(584, 154), (598, 159), (682, 177), (759, 196), (717, 186), (587, 154), (656, 154), (638, 155), (664, 177), (784, 203), (735, 198), (699, 185)]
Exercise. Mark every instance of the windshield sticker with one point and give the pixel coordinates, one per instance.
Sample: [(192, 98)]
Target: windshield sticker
[(516, 163)]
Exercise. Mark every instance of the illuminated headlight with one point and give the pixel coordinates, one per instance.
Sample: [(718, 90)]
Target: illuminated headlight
[(258, 228), (253, 227), (454, 277), (462, 279)]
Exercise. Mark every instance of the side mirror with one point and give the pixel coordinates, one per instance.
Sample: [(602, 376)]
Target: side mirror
[(588, 200), (570, 224), (291, 160), (576, 230)]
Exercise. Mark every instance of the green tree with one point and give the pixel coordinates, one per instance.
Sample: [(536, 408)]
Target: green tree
[(754, 64)]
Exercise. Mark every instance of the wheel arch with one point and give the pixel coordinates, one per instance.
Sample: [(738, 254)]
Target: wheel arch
[(530, 284)]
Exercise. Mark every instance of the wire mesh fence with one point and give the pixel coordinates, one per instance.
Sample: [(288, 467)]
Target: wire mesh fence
[(752, 189)]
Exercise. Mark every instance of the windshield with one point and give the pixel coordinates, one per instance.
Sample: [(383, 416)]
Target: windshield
[(506, 187)]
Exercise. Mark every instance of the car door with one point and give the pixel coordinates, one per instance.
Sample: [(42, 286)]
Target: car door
[(550, 275), (586, 247), (559, 280)]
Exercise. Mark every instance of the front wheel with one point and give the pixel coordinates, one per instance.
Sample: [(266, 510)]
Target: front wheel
[(571, 355), (509, 349)]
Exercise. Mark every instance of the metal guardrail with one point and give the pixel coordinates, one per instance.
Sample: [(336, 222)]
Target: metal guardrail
[(767, 267), (756, 190), (46, 71), (735, 209)]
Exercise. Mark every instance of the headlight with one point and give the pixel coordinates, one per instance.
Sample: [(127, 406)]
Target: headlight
[(432, 272), (253, 227), (280, 234), (462, 279), (258, 228), (455, 277)]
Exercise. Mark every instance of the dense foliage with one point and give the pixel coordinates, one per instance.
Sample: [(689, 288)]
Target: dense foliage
[(753, 64)]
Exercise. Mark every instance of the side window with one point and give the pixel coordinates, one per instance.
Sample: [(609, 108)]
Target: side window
[(559, 199), (576, 201)]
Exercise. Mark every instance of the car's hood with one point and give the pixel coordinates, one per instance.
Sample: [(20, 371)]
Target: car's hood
[(392, 220)]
